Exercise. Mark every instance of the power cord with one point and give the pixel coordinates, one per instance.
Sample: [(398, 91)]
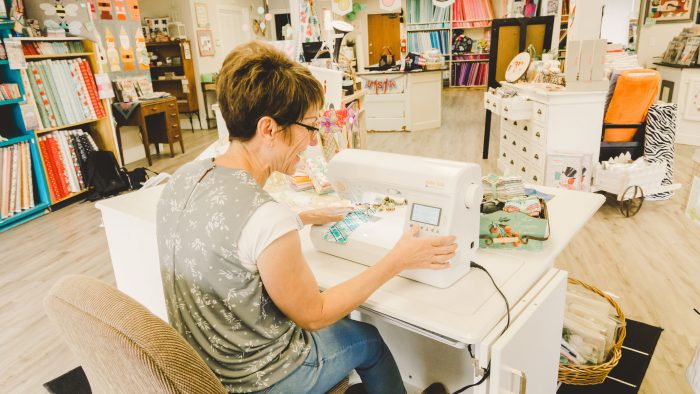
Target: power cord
[(487, 372)]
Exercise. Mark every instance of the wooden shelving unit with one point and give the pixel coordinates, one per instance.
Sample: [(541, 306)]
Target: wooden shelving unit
[(42, 131), (101, 129), (60, 56), (185, 90)]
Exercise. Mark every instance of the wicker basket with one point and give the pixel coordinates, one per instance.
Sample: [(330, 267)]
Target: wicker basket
[(595, 374)]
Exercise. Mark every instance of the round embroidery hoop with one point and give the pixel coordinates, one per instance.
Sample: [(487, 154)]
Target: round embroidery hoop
[(518, 67)]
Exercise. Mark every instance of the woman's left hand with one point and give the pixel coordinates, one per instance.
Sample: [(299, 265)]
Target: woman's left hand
[(324, 215)]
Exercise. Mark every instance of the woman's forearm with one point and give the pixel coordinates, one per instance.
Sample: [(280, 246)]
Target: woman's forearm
[(338, 301)]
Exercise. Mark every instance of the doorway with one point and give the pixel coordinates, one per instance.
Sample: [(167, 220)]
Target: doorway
[(231, 19), (383, 31)]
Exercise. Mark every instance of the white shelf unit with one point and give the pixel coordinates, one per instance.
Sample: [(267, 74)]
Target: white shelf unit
[(418, 24)]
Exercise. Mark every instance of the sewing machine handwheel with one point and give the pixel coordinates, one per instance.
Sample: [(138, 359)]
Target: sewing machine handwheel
[(631, 201)]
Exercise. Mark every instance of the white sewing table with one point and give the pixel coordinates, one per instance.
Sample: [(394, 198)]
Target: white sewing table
[(428, 329)]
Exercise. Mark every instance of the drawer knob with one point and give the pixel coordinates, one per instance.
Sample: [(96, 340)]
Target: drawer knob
[(513, 143), (537, 156), (522, 169), (505, 137), (534, 178), (504, 154), (488, 102), (515, 123), (524, 149), (525, 128), (505, 109), (539, 112), (537, 134), (511, 163)]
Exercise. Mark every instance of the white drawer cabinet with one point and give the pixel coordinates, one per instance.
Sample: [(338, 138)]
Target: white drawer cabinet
[(545, 123)]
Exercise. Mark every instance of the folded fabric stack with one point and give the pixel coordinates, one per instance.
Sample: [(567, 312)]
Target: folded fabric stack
[(300, 181), (65, 154), (16, 181), (529, 205), (65, 91), (502, 188), (316, 168)]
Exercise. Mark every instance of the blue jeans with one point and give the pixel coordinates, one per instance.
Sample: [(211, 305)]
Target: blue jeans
[(337, 350)]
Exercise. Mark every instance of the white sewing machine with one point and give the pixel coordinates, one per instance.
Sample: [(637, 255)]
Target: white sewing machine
[(443, 199)]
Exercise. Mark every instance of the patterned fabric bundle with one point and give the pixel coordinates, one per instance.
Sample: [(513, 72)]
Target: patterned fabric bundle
[(659, 140)]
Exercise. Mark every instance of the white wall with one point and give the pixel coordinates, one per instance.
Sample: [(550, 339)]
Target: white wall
[(616, 17), (654, 39)]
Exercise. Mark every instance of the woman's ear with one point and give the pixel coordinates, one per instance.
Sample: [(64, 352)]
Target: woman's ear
[(267, 127)]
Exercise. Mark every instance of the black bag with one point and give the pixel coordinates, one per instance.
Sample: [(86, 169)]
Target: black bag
[(104, 175), (137, 177)]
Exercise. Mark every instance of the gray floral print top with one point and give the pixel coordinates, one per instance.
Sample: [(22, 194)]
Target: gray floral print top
[(220, 307)]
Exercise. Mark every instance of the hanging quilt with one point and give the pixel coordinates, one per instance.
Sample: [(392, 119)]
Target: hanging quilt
[(308, 22)]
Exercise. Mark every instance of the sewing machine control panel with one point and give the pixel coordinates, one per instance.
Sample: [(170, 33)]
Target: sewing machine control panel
[(427, 218)]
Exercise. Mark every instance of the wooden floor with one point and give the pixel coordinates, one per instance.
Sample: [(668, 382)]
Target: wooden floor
[(651, 261)]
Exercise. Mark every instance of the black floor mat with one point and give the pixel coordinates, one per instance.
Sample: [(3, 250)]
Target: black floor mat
[(627, 376)]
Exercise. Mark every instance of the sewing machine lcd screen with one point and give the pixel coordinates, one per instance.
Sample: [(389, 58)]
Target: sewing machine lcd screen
[(426, 214)]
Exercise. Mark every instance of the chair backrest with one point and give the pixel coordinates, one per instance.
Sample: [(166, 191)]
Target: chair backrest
[(121, 345)]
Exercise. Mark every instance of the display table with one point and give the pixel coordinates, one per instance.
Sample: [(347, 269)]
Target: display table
[(681, 85), (402, 101), (427, 329)]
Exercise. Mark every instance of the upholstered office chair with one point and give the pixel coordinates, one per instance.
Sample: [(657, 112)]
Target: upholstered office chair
[(122, 346)]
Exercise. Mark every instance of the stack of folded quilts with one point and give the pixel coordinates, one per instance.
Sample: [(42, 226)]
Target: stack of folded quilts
[(502, 188), (529, 205), (316, 168), (300, 181)]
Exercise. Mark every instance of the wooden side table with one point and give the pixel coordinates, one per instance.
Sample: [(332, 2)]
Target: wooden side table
[(158, 122)]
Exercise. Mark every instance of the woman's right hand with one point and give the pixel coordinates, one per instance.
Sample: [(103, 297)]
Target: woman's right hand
[(412, 252)]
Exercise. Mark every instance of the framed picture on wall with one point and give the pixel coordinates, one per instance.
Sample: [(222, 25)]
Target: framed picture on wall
[(202, 15), (206, 42), (666, 11), (692, 103)]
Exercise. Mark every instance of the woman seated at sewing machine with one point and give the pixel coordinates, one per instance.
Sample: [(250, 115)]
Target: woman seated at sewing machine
[(236, 283)]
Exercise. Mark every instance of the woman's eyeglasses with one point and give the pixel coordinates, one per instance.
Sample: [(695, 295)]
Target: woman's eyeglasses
[(311, 129)]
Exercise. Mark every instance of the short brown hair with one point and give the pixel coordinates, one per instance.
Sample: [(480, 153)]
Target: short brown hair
[(256, 80)]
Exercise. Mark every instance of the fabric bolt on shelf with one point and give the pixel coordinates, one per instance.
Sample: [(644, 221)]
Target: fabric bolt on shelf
[(634, 93), (659, 139)]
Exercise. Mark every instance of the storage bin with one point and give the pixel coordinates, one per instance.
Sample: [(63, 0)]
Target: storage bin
[(516, 108), (514, 230), (492, 103), (595, 374)]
